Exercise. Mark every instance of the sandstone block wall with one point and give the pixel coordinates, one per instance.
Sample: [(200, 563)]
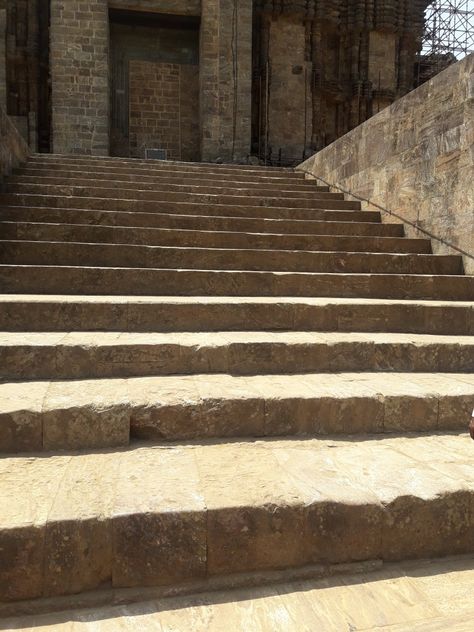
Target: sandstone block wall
[(13, 149), (226, 79), (163, 112), (79, 43), (416, 158), (3, 68)]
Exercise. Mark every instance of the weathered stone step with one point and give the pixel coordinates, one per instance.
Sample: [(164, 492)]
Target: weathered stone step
[(325, 225), (105, 413), (144, 175), (165, 314), (40, 355), (47, 279), (184, 208), (241, 198), (167, 165), (155, 516), (41, 231), (152, 184), (407, 596), (134, 256)]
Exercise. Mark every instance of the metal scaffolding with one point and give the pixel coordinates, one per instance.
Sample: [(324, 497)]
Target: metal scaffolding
[(448, 36)]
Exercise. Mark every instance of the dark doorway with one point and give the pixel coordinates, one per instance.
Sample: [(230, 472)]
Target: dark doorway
[(154, 85)]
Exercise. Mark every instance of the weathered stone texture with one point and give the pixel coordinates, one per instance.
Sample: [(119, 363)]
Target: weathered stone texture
[(3, 68), (79, 72), (226, 76), (416, 159), (174, 7), (163, 109), (13, 149)]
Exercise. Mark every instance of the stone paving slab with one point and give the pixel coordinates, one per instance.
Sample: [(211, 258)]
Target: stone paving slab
[(406, 597)]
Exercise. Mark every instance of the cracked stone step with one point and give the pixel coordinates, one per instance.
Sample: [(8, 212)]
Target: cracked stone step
[(106, 413), (322, 209), (41, 231), (49, 279), (127, 175), (137, 219), (152, 184), (80, 521), (138, 256), (318, 201), (165, 314), (40, 355)]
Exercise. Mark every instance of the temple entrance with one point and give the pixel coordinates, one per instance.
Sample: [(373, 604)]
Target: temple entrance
[(154, 86)]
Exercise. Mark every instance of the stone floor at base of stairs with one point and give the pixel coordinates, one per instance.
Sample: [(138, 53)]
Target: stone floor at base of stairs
[(418, 596)]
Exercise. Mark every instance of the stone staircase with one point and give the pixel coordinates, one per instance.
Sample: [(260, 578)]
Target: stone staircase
[(214, 370)]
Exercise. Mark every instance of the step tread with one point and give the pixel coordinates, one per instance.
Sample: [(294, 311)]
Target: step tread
[(417, 596), (216, 339)]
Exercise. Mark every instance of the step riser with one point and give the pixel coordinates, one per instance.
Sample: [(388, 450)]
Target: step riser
[(143, 175), (155, 237), (115, 194), (153, 548), (71, 361), (107, 255), (201, 222), (134, 184), (110, 425), (148, 282), (327, 211), (142, 317)]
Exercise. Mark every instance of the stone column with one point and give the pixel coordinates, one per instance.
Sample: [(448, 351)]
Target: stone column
[(226, 79), (80, 76), (3, 54)]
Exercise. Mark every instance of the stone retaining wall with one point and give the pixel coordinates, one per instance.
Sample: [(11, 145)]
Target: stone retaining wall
[(415, 158), (13, 149)]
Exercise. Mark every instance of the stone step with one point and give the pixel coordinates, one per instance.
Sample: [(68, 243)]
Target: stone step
[(241, 198), (407, 596), (47, 279), (323, 226), (41, 231), (144, 175), (106, 413), (152, 184), (135, 256), (166, 314), (167, 165), (184, 208), (55, 355), (159, 516)]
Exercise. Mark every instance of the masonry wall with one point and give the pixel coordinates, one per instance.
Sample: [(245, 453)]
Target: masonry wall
[(79, 73), (163, 109), (226, 79), (416, 158), (3, 68), (13, 148)]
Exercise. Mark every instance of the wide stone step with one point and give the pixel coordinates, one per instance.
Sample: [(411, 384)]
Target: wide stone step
[(134, 256), (35, 231), (144, 175), (241, 198), (167, 165), (407, 596), (159, 516), (41, 355), (105, 413), (205, 222), (328, 210), (167, 314), (47, 279), (152, 184)]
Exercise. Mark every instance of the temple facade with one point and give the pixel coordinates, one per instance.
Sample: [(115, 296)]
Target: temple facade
[(207, 80)]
